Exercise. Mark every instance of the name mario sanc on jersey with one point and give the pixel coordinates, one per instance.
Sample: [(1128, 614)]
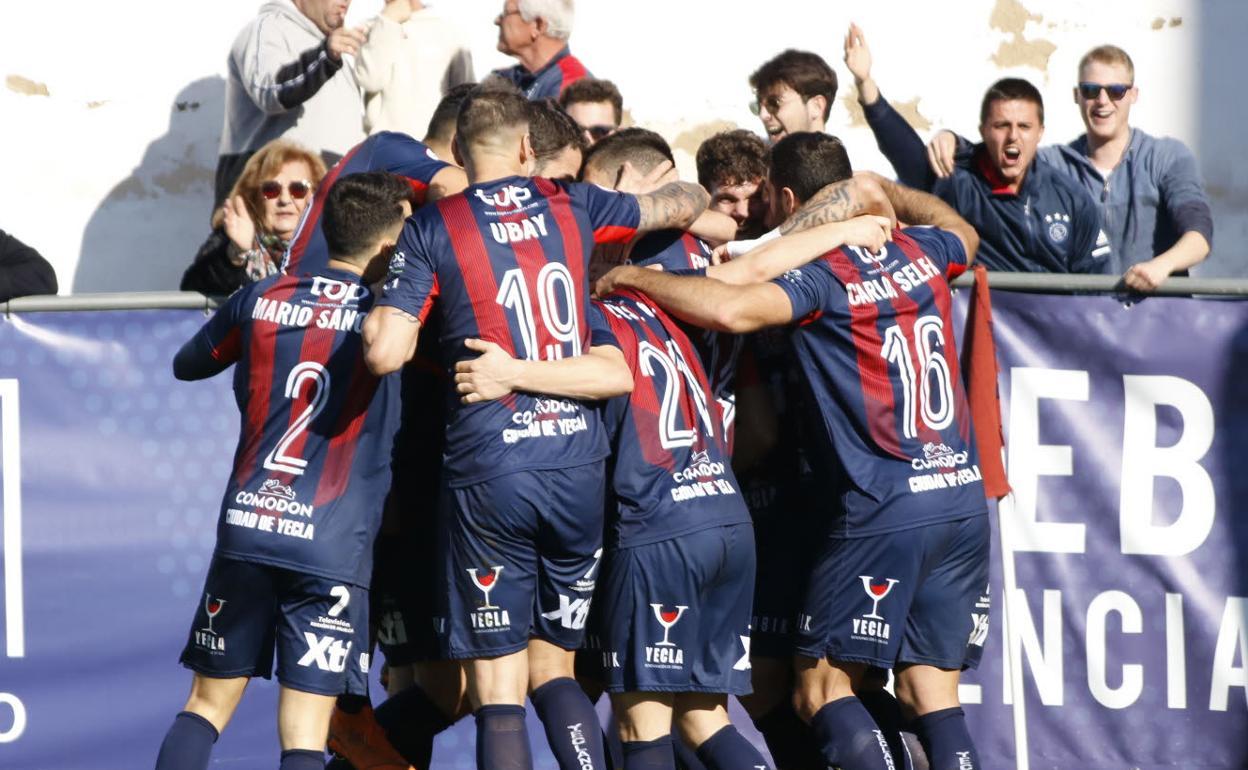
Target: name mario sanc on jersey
[(338, 310)]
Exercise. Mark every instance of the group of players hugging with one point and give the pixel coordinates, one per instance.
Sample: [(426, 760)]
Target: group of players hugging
[(562, 511)]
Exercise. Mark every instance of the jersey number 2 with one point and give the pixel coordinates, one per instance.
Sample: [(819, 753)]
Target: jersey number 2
[(316, 377)]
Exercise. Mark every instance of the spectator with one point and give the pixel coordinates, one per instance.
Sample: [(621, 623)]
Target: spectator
[(252, 230), (412, 58), (23, 271), (441, 129), (1155, 209), (536, 33), (287, 80), (557, 142), (595, 105), (1030, 218), (793, 92), (732, 166)]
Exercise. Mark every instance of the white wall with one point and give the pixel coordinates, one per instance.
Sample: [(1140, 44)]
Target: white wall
[(110, 174)]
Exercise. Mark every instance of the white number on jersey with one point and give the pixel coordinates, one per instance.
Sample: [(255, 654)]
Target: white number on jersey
[(316, 377), (675, 369), (927, 387), (554, 283)]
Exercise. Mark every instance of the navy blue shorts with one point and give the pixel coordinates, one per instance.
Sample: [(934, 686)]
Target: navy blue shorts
[(675, 615), (404, 572), (787, 538), (915, 596), (318, 626), (522, 560)]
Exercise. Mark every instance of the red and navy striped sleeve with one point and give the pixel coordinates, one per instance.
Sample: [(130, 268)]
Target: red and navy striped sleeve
[(219, 342), (614, 216), (412, 283), (942, 247)]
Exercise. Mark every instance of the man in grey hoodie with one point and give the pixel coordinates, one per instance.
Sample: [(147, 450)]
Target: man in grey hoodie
[(287, 79)]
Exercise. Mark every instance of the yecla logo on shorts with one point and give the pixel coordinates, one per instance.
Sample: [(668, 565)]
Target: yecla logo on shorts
[(871, 627), (488, 617), (665, 653), (207, 638)]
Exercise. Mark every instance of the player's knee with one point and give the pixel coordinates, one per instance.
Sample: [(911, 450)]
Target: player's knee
[(772, 682), (698, 716), (922, 690)]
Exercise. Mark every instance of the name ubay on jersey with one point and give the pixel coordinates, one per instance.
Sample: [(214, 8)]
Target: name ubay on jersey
[(876, 344), (313, 459), (506, 262)]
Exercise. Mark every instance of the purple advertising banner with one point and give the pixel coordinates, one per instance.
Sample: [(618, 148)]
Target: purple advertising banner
[(1124, 586)]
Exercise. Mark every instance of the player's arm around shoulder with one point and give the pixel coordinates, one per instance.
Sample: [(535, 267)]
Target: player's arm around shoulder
[(776, 257), (390, 336), (600, 373), (705, 302), (676, 204)]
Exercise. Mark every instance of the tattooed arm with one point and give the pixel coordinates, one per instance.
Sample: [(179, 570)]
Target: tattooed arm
[(390, 336), (842, 200), (674, 205), (920, 208)]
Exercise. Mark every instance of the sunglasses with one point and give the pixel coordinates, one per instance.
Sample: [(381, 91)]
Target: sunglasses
[(598, 132), (299, 189), (1115, 90)]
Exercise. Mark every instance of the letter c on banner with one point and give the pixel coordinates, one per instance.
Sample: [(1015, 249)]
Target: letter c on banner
[(19, 717)]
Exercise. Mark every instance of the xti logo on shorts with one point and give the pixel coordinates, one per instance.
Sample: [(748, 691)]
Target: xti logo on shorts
[(325, 652)]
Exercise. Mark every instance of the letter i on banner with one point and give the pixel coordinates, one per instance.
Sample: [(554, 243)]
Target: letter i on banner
[(11, 478)]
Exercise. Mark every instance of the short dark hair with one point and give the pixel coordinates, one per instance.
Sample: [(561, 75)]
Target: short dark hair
[(807, 162), (805, 72), (442, 123), (487, 110), (594, 90), (641, 147), (1009, 90), (360, 208), (730, 158), (552, 130)]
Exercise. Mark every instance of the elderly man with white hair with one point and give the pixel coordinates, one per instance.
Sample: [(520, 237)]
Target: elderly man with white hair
[(536, 33)]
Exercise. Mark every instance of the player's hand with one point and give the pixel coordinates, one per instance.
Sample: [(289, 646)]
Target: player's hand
[(940, 152), (630, 180), (345, 40), (237, 223), (616, 278), (397, 11), (1145, 276), (486, 377), (857, 54), (867, 231), (720, 255)]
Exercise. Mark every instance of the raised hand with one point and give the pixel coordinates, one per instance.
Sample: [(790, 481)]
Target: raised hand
[(345, 40), (238, 225)]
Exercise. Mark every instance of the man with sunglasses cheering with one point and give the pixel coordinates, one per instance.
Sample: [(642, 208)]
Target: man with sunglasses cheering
[(1030, 217), (1156, 212)]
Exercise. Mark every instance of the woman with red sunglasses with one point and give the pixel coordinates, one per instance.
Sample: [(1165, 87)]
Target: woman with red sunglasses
[(251, 231)]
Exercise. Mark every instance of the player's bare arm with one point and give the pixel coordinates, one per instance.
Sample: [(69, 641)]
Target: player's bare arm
[(675, 204), (448, 181), (780, 255), (705, 302), (714, 227), (837, 202), (920, 208), (600, 373), (390, 336)]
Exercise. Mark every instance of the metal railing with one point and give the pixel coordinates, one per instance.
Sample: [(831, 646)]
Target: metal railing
[(1030, 282)]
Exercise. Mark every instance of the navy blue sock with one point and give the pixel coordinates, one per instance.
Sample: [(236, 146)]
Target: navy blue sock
[(571, 724), (187, 744), (411, 719), (302, 759), (649, 755), (789, 739), (728, 749), (849, 737), (947, 741), (886, 712), (686, 758), (502, 740)]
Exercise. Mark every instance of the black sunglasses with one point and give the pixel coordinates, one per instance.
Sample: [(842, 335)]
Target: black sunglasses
[(299, 189), (1115, 90), (598, 132)]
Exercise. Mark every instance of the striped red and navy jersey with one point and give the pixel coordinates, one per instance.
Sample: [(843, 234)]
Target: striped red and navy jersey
[(506, 262), (677, 250), (877, 349), (388, 151), (548, 82), (312, 466), (671, 470)]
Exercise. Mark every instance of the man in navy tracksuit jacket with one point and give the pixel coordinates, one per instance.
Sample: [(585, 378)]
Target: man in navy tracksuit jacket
[(1030, 218)]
